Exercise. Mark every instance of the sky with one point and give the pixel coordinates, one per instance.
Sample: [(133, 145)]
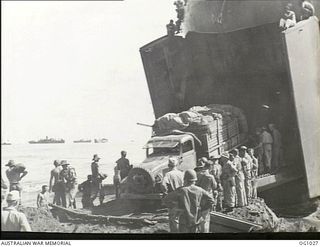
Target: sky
[(72, 69)]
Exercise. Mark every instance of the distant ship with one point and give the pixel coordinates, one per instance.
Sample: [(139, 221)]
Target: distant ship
[(47, 141), (5, 143), (102, 140), (82, 141)]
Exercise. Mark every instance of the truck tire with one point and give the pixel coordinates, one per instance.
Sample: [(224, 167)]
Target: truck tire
[(140, 181)]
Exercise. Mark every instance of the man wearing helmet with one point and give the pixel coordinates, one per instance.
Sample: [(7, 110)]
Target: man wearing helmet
[(191, 200)]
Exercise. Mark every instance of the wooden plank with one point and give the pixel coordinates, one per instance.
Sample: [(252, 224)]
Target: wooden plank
[(102, 219), (226, 223)]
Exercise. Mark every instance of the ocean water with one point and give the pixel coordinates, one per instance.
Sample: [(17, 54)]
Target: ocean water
[(38, 159)]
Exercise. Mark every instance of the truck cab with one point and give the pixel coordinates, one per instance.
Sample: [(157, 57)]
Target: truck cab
[(143, 181)]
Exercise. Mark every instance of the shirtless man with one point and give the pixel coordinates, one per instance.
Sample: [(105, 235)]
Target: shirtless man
[(15, 173), (55, 183)]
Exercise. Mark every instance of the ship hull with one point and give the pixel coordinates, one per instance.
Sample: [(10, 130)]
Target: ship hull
[(248, 68), (216, 16)]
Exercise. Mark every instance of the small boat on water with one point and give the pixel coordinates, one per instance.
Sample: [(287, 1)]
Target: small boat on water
[(82, 141), (102, 140), (5, 143), (47, 141)]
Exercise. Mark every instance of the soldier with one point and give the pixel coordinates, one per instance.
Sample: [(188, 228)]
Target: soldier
[(239, 180), (117, 181), (266, 145), (307, 10), (171, 28), (289, 18), (216, 172), (64, 176), (276, 147), (207, 182), (229, 171), (55, 183), (96, 177), (102, 192), (255, 168), (190, 200), (85, 188), (15, 173), (172, 180), (123, 165), (246, 163), (11, 219)]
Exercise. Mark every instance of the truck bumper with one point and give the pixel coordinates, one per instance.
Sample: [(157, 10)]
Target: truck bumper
[(131, 196)]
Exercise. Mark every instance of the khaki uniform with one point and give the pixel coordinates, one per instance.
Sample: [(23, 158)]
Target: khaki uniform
[(123, 165), (85, 188), (246, 163), (228, 182), (69, 178), (96, 180), (241, 199), (190, 201), (218, 194), (12, 220), (207, 182), (172, 180), (267, 140)]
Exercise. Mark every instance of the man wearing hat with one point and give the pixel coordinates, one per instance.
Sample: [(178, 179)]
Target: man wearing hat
[(241, 199), (11, 219), (96, 177), (229, 171), (207, 182), (15, 173), (191, 200), (63, 180), (55, 182), (172, 180)]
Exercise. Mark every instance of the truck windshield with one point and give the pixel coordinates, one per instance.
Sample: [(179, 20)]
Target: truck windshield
[(163, 151), (156, 148)]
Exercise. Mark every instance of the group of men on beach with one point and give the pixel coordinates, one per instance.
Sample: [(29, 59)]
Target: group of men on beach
[(63, 182), (220, 183)]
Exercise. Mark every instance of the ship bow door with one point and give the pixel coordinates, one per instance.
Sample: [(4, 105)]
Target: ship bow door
[(303, 57)]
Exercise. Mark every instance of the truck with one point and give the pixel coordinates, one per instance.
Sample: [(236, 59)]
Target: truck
[(187, 136)]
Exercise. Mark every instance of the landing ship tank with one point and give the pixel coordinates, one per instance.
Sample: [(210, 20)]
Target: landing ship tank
[(233, 52)]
